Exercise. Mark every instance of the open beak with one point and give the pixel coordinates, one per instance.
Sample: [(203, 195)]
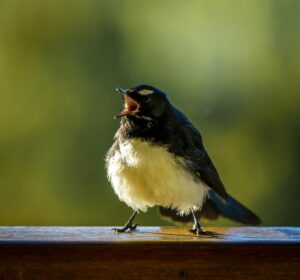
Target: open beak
[(130, 105)]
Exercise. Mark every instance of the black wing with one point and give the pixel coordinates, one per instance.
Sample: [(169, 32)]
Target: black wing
[(200, 164)]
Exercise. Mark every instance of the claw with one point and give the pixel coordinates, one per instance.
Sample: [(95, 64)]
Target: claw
[(128, 228), (118, 230), (133, 227), (197, 231)]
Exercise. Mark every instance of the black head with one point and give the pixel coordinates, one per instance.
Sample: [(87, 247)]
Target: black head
[(143, 102)]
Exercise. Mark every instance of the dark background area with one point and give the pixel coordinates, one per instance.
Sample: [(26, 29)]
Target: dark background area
[(232, 66)]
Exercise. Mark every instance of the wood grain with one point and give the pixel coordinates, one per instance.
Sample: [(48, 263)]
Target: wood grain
[(150, 253)]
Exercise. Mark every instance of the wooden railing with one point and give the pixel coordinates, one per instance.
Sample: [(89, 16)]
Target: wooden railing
[(149, 253)]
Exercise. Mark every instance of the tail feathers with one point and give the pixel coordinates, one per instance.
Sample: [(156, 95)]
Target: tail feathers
[(213, 208), (234, 210)]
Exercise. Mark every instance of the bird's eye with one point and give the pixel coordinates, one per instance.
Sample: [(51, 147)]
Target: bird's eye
[(148, 100)]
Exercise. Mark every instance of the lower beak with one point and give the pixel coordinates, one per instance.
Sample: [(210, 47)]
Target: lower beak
[(130, 105)]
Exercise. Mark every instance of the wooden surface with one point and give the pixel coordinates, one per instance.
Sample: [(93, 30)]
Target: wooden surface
[(149, 253), (216, 235)]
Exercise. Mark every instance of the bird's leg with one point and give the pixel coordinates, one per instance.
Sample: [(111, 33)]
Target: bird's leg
[(129, 226), (196, 227)]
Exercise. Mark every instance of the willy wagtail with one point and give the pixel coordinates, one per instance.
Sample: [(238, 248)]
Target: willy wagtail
[(158, 159)]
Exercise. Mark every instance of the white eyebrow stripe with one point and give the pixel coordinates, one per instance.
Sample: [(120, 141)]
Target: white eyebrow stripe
[(145, 91)]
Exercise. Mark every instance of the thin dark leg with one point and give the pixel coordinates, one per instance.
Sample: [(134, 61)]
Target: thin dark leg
[(196, 227), (129, 226)]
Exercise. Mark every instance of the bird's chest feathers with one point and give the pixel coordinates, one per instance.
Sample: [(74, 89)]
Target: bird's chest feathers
[(144, 175)]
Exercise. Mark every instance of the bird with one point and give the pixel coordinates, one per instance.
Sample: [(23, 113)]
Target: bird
[(158, 159)]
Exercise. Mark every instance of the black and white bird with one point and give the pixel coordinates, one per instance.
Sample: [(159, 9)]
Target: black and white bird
[(158, 159)]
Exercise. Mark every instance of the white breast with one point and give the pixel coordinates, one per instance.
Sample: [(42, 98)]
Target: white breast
[(144, 175)]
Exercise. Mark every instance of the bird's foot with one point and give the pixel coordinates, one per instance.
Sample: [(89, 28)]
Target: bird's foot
[(129, 227), (197, 230)]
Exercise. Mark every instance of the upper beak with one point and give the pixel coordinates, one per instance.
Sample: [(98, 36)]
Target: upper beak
[(130, 105), (120, 90)]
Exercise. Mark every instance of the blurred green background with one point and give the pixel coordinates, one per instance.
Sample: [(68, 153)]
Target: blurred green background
[(232, 66)]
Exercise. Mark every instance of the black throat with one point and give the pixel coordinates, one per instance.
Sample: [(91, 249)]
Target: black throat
[(154, 130)]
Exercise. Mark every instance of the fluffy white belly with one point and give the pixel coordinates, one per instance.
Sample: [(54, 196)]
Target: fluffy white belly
[(144, 175)]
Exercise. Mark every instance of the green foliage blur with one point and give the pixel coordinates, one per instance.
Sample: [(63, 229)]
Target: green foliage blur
[(232, 66)]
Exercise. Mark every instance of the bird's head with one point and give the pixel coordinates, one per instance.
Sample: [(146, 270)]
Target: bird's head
[(143, 102)]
